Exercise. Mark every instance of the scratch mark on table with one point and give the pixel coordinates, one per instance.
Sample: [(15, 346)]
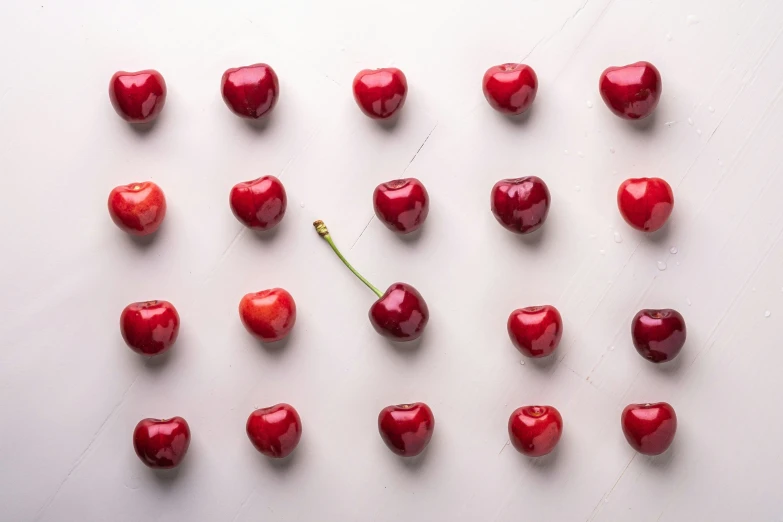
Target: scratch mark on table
[(596, 509), (421, 147), (504, 447), (363, 231)]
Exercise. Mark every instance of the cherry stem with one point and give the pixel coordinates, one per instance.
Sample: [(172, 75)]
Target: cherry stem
[(324, 233)]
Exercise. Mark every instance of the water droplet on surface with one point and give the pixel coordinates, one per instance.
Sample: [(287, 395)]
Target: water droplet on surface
[(617, 237), (668, 37), (670, 123), (522, 363), (698, 131), (577, 188), (602, 251), (690, 121), (767, 313), (611, 149), (301, 204), (611, 348), (565, 152), (720, 163), (711, 108), (580, 154), (661, 266), (606, 500), (753, 289), (677, 263), (688, 301), (691, 20), (593, 236), (589, 104), (673, 250)]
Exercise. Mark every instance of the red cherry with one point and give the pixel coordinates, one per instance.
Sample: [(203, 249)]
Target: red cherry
[(269, 314), (161, 444), (535, 430), (380, 92), (275, 431), (510, 88), (399, 314), (259, 204), (250, 91), (138, 97), (402, 205), (649, 428), (137, 208), (536, 330), (658, 335), (520, 205), (406, 428), (631, 91), (149, 327), (645, 203)]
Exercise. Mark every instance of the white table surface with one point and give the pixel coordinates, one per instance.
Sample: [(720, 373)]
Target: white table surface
[(71, 392)]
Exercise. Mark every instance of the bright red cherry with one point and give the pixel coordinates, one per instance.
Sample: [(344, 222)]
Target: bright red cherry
[(402, 205), (658, 335), (149, 327), (632, 91), (645, 203), (520, 205), (380, 92), (649, 428), (510, 88), (269, 314), (259, 204), (536, 330), (161, 444), (250, 91), (535, 430), (275, 431), (406, 428), (138, 97), (137, 208), (399, 314)]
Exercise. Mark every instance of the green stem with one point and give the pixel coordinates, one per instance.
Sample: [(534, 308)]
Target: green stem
[(324, 233)]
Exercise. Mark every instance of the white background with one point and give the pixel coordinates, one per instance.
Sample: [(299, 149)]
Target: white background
[(71, 392)]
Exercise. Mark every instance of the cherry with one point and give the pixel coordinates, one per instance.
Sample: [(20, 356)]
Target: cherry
[(536, 330), (399, 314), (520, 205), (138, 97), (149, 327), (402, 205), (259, 204), (649, 428), (632, 91), (645, 203), (137, 208), (275, 431), (406, 428), (269, 315), (161, 444), (250, 91), (510, 88), (535, 430), (380, 92), (658, 335)]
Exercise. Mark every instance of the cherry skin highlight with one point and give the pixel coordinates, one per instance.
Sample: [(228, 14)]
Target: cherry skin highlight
[(632, 91), (161, 443), (275, 431), (536, 330), (406, 428), (137, 208), (269, 315), (649, 428), (535, 430), (138, 97), (380, 92), (402, 205), (149, 327), (510, 88), (645, 203)]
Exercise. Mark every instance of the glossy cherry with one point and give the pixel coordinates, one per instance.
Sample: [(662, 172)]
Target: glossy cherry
[(535, 430), (658, 335), (138, 97), (399, 314), (520, 205), (645, 203), (275, 431), (259, 204), (269, 315), (380, 92), (536, 330), (250, 91), (402, 205), (149, 327), (406, 428), (161, 443), (137, 208), (510, 88), (632, 91), (649, 428)]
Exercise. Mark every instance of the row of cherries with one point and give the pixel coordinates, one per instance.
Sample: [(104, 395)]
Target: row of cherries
[(406, 429), (631, 91)]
